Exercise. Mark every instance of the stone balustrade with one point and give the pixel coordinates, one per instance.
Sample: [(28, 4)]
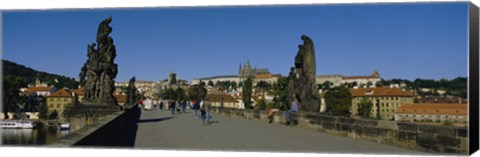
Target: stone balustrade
[(112, 130), (427, 138)]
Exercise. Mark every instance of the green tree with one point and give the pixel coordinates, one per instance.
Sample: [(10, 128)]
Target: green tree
[(181, 94), (210, 83), (197, 92), (262, 104), (11, 93), (234, 85), (447, 123), (365, 107), (339, 100), (42, 110), (202, 83), (263, 85), (169, 94), (247, 93), (280, 99), (53, 115), (369, 84), (69, 111)]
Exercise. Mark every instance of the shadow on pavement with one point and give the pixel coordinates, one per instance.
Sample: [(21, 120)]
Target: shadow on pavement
[(154, 120), (214, 121)]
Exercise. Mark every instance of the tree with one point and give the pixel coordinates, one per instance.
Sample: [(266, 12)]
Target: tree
[(168, 94), (280, 99), (43, 110), (11, 93), (202, 83), (369, 84), (197, 92), (69, 111), (53, 115), (365, 108), (233, 85), (325, 85), (247, 93), (210, 83), (180, 94), (339, 100), (262, 104), (263, 85)]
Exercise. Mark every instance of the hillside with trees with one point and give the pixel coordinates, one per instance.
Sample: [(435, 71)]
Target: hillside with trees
[(29, 75)]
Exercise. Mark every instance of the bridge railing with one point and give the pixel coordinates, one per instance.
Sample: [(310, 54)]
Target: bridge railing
[(116, 129), (427, 138)]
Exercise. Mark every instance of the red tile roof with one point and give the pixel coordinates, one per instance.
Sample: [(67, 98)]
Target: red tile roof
[(61, 93), (30, 90), (218, 98)]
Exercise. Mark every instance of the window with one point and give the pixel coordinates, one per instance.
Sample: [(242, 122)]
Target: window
[(64, 99), (387, 104), (51, 105), (58, 105)]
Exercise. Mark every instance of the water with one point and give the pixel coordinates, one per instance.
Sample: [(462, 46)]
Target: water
[(37, 136)]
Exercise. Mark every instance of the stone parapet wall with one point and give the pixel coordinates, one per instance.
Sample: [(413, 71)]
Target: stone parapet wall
[(426, 138), (113, 130)]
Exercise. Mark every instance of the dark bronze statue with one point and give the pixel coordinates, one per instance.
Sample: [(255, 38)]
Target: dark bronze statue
[(99, 71)]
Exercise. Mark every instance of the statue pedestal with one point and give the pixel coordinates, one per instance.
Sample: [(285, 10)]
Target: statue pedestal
[(95, 110)]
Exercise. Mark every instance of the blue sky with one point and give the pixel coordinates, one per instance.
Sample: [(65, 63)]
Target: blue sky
[(408, 41)]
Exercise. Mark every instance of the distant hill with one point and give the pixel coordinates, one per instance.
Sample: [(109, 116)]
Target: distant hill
[(13, 69)]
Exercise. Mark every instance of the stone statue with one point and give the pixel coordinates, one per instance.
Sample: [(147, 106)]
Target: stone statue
[(99, 71), (303, 77), (131, 92)]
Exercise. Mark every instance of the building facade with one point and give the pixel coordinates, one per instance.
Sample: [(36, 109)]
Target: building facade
[(228, 101), (385, 100), (337, 80), (59, 100), (433, 113)]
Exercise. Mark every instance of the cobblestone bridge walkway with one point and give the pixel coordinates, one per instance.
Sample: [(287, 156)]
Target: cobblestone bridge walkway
[(160, 130)]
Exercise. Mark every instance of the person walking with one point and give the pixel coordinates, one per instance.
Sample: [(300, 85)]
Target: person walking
[(184, 106), (172, 107), (177, 106), (140, 103), (196, 107), (161, 105), (293, 108), (206, 112)]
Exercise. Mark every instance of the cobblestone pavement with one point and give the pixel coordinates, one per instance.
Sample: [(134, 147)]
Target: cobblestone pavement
[(160, 130)]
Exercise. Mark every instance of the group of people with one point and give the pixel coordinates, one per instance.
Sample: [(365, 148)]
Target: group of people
[(176, 106), (293, 108), (203, 107)]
